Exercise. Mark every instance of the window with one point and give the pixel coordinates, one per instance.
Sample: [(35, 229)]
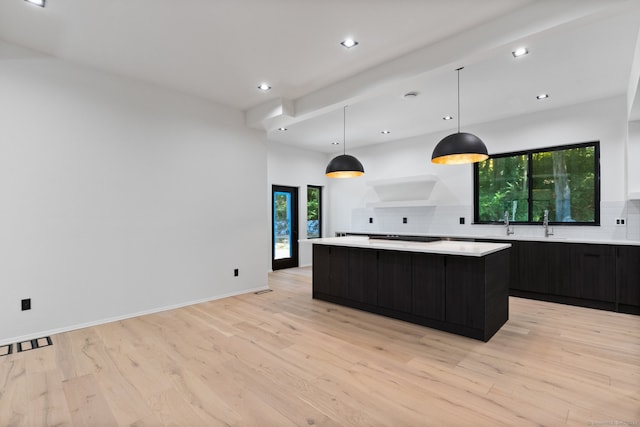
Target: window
[(564, 180), (314, 211)]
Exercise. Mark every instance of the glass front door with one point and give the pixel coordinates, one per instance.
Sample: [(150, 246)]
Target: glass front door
[(284, 227)]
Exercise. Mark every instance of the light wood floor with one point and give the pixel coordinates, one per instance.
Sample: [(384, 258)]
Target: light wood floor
[(283, 359)]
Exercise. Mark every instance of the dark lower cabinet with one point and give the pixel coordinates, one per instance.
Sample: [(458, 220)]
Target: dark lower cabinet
[(514, 262), (395, 281), (583, 274), (593, 272), (628, 279), (530, 279), (543, 268)]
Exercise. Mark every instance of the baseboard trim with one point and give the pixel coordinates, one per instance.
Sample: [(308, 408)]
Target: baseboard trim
[(74, 327)]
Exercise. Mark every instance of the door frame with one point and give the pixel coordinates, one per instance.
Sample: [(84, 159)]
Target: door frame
[(293, 261)]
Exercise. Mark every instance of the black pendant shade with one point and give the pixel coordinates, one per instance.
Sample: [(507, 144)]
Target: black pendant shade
[(460, 147), (344, 165)]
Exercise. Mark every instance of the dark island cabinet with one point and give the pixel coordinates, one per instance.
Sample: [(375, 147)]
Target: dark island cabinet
[(462, 292), (395, 283), (476, 289), (628, 279), (428, 286), (362, 285), (330, 272), (465, 295), (514, 260), (321, 269)]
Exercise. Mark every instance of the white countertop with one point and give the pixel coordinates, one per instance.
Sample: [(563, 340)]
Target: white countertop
[(443, 247), (512, 237)]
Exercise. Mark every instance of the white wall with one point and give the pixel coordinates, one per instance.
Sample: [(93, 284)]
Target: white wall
[(633, 180), (633, 157), (603, 120), (119, 198), (295, 167)]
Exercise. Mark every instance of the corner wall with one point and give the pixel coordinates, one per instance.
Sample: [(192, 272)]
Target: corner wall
[(633, 181), (119, 198)]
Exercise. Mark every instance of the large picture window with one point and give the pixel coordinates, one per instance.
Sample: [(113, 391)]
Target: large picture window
[(564, 180)]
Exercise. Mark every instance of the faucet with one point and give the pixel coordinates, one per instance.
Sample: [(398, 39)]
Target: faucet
[(506, 223), (545, 224)]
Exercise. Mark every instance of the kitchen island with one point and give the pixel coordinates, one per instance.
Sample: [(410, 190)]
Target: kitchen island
[(458, 287)]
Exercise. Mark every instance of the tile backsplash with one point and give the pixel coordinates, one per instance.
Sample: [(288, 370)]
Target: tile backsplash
[(445, 220)]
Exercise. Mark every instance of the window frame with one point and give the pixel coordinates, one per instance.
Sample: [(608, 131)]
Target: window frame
[(319, 188), (529, 154)]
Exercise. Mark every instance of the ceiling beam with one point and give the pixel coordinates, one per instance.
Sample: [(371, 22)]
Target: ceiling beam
[(462, 49)]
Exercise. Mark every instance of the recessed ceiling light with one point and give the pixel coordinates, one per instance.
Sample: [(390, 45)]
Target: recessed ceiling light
[(36, 2), (542, 96), (335, 143), (447, 118), (349, 43), (282, 129), (385, 132), (264, 86), (521, 51), (410, 95)]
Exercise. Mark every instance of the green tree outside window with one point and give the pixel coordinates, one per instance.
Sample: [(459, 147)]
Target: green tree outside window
[(563, 180)]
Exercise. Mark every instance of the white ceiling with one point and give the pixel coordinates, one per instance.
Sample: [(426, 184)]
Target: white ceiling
[(221, 50)]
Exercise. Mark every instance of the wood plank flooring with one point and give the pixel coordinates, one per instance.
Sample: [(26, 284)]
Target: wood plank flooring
[(284, 359)]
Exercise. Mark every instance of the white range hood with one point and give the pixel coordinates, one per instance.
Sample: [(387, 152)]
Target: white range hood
[(403, 192)]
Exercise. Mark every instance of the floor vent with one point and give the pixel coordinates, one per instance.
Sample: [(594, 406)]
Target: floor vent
[(33, 344), (6, 350), (264, 291)]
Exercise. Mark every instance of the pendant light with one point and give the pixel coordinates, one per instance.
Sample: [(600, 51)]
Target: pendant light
[(461, 147), (344, 165)]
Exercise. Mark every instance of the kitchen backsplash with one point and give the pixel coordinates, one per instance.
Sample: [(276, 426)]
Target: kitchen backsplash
[(445, 220)]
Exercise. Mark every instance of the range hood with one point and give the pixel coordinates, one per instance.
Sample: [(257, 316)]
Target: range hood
[(402, 192)]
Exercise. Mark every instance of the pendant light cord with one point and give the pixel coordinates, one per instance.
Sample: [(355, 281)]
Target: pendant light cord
[(458, 70), (344, 130)]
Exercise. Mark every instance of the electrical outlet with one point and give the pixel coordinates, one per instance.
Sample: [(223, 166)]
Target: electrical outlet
[(620, 221), (404, 220), (370, 220), (235, 272), (461, 220), (26, 304)]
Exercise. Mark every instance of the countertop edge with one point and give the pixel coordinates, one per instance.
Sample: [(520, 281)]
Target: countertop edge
[(503, 238), (440, 247)]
